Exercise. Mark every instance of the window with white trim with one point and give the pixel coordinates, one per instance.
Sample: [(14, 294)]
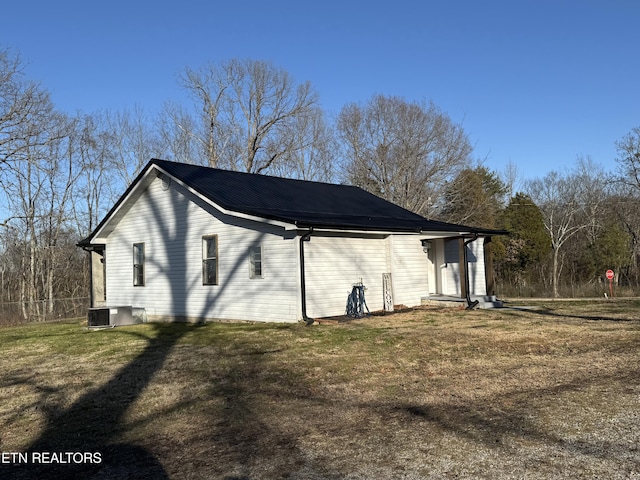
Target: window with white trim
[(210, 260), (138, 264), (255, 262)]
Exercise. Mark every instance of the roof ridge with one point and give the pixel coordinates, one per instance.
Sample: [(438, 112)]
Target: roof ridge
[(262, 175)]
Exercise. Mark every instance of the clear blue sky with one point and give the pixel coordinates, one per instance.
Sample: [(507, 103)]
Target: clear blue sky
[(534, 82)]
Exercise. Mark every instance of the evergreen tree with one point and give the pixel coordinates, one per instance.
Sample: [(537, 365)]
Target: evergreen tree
[(474, 197), (520, 256), (609, 251)]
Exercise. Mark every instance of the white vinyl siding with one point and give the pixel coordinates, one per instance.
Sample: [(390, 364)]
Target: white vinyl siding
[(477, 277), (475, 257), (410, 269), (334, 263), (172, 224)]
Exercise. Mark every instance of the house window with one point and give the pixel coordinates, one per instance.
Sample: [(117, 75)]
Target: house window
[(210, 260), (138, 264), (255, 262)]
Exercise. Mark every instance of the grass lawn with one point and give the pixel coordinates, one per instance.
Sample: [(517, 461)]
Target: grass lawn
[(552, 392)]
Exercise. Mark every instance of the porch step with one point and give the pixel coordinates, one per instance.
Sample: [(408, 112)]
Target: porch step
[(487, 301), (484, 301)]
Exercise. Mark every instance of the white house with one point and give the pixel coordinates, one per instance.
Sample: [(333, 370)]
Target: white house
[(192, 243)]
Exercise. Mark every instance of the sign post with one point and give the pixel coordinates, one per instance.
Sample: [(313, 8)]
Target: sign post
[(610, 274)]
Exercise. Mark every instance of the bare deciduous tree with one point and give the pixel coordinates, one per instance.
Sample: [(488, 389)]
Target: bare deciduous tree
[(627, 197), (92, 150), (401, 151), (38, 177), (624, 206), (248, 113), (134, 142), (179, 136), (38, 185), (312, 152), (22, 103), (510, 176), (569, 204), (556, 197), (628, 159)]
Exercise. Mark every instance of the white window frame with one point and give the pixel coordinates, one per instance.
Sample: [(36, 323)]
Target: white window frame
[(206, 260), (139, 264), (252, 262)]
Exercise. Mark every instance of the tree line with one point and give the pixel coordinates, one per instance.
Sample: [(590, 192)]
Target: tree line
[(60, 173)]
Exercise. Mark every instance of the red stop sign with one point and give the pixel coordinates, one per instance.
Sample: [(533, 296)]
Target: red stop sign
[(610, 274)]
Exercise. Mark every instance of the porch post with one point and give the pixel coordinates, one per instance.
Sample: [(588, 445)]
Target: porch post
[(490, 277), (462, 255)]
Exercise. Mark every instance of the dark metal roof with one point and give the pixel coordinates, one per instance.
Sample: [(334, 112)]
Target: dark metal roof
[(303, 203)]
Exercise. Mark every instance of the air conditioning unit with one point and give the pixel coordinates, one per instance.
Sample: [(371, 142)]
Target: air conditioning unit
[(114, 316)]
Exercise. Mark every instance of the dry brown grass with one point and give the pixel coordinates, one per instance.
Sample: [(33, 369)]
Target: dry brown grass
[(546, 393)]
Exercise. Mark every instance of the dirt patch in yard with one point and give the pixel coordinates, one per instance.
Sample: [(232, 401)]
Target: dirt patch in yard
[(550, 392)]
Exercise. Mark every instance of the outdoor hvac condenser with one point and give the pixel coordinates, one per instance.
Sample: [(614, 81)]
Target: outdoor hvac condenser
[(114, 316)]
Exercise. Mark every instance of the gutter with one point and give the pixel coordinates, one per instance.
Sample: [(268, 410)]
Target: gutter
[(470, 304), (303, 290), (90, 247)]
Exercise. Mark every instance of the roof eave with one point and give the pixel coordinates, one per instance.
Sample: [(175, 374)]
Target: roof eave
[(225, 210)]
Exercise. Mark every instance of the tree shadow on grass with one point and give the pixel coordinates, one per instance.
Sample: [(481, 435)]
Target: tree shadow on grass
[(250, 436), (81, 441), (498, 426), (548, 311)]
